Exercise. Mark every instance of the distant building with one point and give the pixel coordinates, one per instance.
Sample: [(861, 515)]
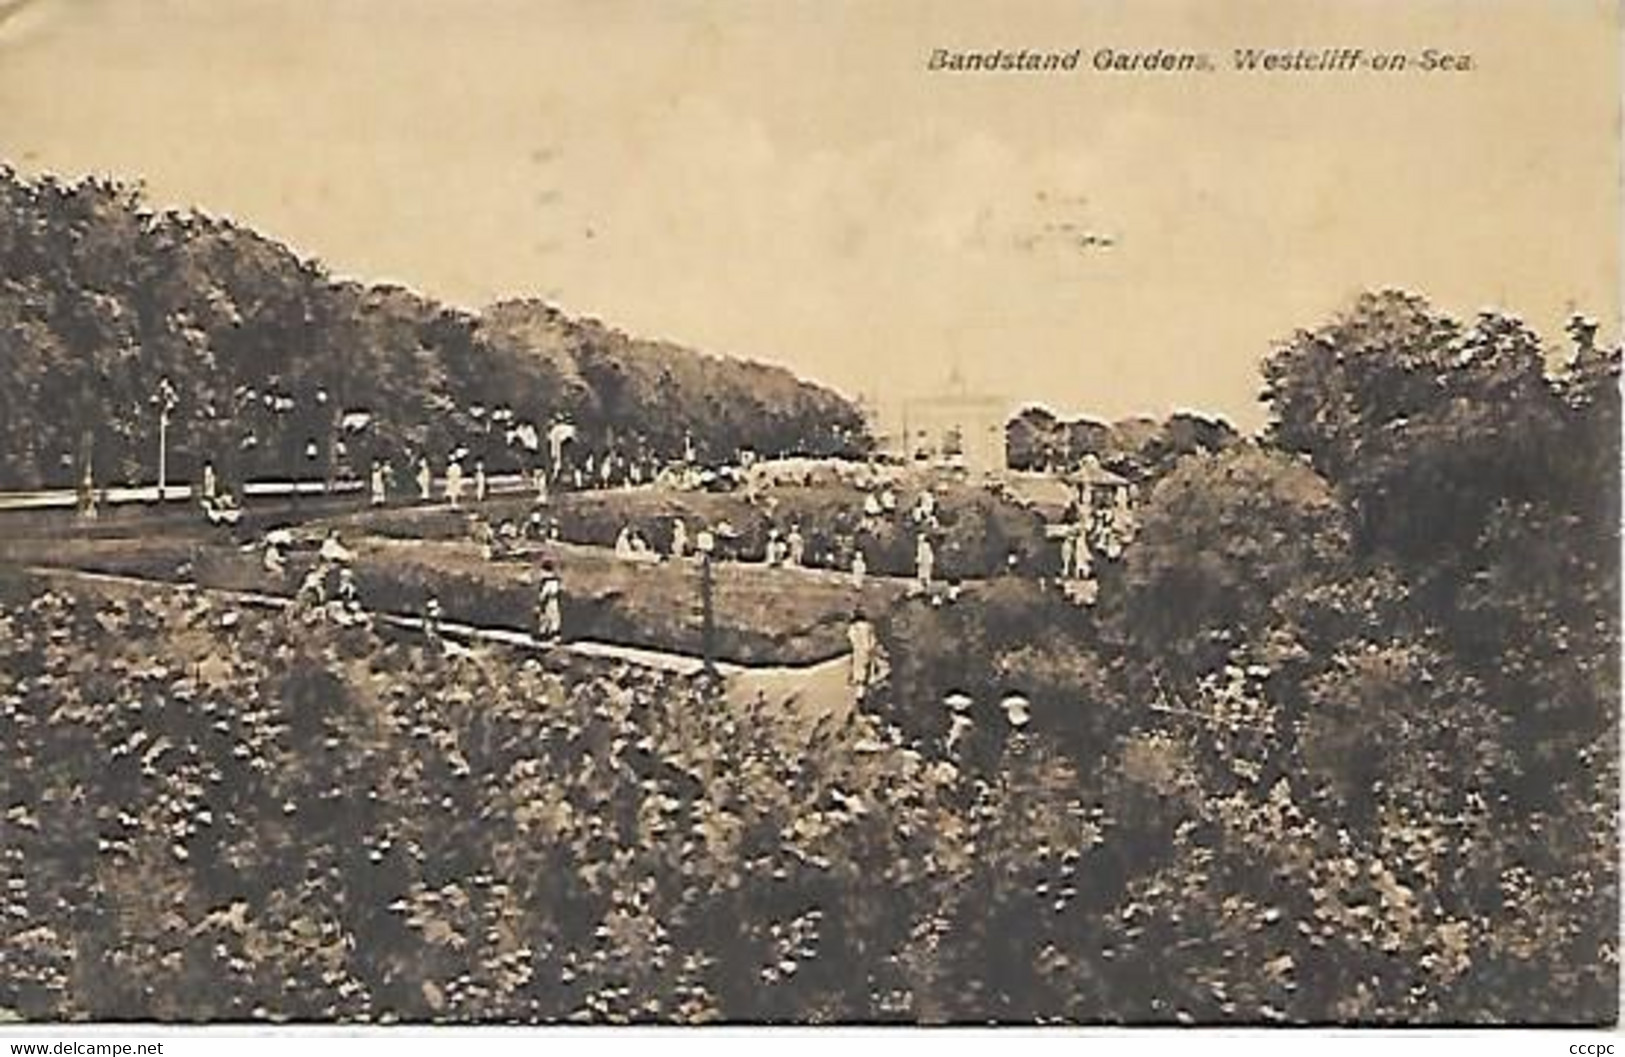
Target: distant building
[(954, 427), (1099, 487)]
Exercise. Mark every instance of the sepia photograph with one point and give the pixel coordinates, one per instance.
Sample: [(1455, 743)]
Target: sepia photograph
[(768, 513)]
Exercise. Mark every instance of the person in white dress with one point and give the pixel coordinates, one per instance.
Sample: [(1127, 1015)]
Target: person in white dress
[(860, 635), (549, 606), (925, 508), (925, 560), (679, 539), (483, 535), (432, 616), (379, 488), (1083, 559), (346, 603), (454, 483), (333, 551), (87, 495), (425, 480), (312, 593), (273, 561), (624, 546)]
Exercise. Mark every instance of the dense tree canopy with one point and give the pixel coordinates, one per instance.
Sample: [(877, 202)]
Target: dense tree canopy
[(1361, 683), (1221, 538), (1141, 448), (101, 297)]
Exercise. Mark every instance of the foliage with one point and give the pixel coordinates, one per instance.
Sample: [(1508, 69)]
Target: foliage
[(101, 297), (1141, 449), (648, 605), (1339, 743), (976, 534), (278, 823), (1221, 537)]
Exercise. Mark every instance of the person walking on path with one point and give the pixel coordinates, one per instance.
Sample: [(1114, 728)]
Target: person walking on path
[(925, 560), (860, 635), (432, 615), (482, 486), (425, 480), (454, 484), (483, 535), (87, 495), (795, 548), (379, 487), (869, 664), (549, 606)]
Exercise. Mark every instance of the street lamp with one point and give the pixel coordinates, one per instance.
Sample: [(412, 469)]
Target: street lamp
[(706, 544), (165, 400)]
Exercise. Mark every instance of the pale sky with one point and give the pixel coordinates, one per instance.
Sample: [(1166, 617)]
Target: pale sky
[(785, 181)]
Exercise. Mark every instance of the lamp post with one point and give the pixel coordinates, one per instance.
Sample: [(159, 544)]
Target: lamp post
[(706, 544), (312, 454), (312, 448), (165, 400)]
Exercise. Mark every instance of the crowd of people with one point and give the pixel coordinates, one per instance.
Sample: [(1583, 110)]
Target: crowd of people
[(1091, 531), (328, 590), (1093, 528), (464, 478), (886, 517)]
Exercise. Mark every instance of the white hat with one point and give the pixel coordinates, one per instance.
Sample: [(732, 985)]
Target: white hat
[(958, 700), (1016, 709)]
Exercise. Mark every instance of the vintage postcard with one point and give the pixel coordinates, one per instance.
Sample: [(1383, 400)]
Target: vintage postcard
[(784, 513)]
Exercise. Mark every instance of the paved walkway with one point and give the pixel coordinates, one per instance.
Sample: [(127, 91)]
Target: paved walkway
[(810, 692), (747, 677), (181, 492)]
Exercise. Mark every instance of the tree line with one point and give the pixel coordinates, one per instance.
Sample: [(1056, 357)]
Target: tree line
[(1140, 447), (280, 368)]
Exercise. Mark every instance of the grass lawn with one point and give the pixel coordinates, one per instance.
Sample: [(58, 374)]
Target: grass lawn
[(763, 616), (978, 530)]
